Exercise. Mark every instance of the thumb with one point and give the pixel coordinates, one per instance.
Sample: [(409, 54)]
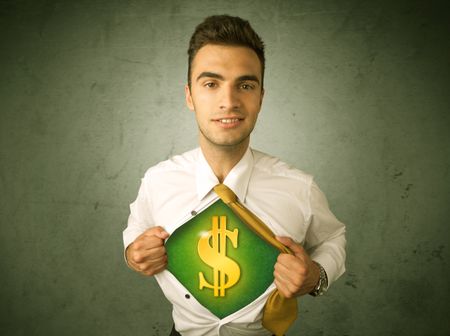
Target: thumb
[(292, 245), (161, 233), (157, 231)]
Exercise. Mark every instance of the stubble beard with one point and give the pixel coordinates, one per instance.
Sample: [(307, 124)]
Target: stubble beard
[(226, 145)]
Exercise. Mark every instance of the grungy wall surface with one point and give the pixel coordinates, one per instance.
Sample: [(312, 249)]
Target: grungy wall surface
[(357, 94)]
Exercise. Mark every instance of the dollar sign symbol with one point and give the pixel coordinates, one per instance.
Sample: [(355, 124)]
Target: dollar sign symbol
[(212, 249)]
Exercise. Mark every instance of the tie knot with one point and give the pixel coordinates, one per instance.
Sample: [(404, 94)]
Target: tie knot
[(226, 194)]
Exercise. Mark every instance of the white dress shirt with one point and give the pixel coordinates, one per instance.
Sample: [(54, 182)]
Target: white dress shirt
[(285, 198)]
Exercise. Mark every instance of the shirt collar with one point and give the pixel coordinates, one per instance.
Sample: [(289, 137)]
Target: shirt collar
[(237, 179)]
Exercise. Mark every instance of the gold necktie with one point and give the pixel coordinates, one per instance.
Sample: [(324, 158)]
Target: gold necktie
[(279, 312)]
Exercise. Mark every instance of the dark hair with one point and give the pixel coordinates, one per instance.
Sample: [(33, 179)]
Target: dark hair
[(225, 30)]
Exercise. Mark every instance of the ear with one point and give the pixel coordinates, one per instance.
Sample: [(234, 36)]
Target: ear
[(262, 96), (189, 102)]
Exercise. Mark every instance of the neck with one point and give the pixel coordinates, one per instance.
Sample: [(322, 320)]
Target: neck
[(222, 159)]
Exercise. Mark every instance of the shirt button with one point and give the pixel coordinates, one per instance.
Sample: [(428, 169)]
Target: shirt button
[(194, 213)]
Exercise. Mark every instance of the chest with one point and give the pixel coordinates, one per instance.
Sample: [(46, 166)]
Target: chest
[(284, 213)]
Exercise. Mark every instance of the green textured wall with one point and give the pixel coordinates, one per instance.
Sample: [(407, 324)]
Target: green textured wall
[(92, 95)]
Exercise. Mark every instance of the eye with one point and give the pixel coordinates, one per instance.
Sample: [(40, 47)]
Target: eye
[(246, 86), (210, 85)]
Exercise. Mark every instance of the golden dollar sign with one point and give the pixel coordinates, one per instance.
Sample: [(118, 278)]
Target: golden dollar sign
[(212, 249)]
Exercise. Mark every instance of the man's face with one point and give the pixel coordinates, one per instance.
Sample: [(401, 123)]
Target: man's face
[(225, 94)]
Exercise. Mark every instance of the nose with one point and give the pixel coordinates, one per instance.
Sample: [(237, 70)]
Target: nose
[(229, 99)]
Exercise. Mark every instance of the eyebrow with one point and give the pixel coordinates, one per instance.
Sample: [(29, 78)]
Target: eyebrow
[(248, 78), (208, 74)]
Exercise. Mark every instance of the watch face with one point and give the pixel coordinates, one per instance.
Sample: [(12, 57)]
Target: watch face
[(220, 261)]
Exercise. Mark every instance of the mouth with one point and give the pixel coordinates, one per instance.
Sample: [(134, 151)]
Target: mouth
[(229, 120)]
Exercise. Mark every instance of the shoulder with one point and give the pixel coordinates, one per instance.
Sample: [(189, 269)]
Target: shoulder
[(270, 166), (176, 164)]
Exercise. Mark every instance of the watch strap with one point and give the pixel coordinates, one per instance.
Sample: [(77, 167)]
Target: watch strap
[(322, 284)]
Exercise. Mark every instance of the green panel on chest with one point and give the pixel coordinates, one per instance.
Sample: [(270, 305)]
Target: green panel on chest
[(222, 263)]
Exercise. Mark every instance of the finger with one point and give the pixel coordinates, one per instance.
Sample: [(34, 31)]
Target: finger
[(155, 253), (296, 248), (148, 255), (279, 275), (163, 235), (154, 269), (157, 231), (283, 288), (147, 243), (291, 262), (153, 264), (292, 274), (289, 286), (160, 268)]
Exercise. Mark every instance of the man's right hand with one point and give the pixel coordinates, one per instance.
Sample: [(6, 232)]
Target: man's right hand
[(147, 254)]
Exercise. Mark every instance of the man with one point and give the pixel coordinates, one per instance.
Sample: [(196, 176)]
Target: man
[(225, 91)]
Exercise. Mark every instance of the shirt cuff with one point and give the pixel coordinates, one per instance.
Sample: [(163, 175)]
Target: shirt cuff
[(329, 265)]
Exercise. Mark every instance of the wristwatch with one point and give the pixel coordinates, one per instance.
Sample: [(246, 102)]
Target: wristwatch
[(322, 285)]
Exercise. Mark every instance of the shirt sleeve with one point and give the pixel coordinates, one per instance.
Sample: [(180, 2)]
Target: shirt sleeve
[(140, 218), (325, 239)]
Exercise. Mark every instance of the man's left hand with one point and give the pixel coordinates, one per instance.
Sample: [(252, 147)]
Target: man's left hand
[(295, 274)]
